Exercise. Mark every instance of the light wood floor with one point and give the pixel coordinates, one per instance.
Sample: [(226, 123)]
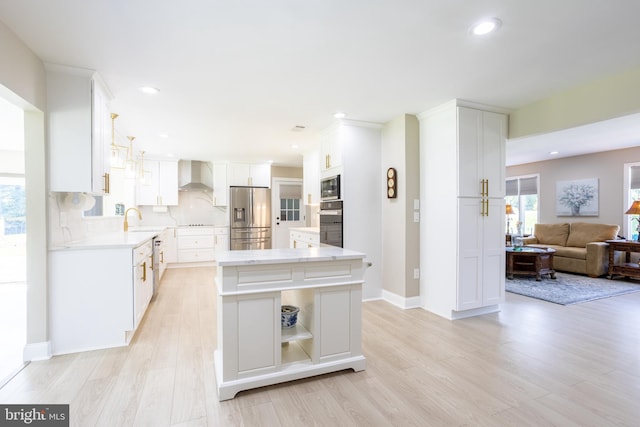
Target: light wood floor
[(532, 364)]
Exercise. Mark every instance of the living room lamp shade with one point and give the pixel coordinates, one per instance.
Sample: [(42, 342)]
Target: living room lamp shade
[(635, 210), (508, 211)]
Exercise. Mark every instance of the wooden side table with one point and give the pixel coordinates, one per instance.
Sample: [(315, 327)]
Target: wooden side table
[(530, 261), (627, 268)]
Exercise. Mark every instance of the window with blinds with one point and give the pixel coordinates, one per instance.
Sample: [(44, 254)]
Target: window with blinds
[(522, 195)]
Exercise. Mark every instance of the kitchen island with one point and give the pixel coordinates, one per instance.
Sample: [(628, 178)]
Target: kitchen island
[(253, 349)]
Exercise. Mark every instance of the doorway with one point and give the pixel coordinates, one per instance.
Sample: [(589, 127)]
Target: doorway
[(13, 246), (288, 210)]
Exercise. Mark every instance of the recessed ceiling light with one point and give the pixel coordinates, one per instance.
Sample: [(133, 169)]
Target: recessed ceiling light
[(340, 115), (163, 135), (553, 153), (149, 89), (486, 26), (295, 146)]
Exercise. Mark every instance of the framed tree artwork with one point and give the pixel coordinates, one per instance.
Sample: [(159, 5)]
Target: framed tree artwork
[(577, 197)]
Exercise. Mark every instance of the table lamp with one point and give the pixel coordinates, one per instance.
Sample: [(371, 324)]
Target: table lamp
[(635, 210), (509, 211)]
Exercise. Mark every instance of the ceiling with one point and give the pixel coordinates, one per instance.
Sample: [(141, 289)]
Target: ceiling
[(237, 77)]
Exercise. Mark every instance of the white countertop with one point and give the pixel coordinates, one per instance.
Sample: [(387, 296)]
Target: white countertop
[(279, 256), (118, 239), (306, 229)]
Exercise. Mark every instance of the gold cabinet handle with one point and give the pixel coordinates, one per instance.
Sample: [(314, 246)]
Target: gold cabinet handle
[(486, 209), (144, 271), (482, 207), (107, 183), (161, 257), (486, 192), (151, 261)]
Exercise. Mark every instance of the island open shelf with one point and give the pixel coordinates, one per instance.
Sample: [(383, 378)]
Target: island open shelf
[(253, 349)]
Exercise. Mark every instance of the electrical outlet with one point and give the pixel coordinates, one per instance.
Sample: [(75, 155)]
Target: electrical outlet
[(416, 217), (416, 204), (416, 273)]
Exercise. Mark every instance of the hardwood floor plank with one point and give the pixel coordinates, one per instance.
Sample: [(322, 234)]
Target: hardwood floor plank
[(531, 364)]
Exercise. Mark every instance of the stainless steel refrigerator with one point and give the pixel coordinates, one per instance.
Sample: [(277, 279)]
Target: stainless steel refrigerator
[(250, 209)]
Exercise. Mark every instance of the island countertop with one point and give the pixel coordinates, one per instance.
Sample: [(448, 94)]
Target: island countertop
[(287, 255)]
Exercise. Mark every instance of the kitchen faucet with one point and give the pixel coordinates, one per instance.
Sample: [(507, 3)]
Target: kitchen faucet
[(126, 222)]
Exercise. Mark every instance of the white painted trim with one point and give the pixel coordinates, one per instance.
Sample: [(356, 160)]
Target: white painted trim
[(37, 351), (400, 301)]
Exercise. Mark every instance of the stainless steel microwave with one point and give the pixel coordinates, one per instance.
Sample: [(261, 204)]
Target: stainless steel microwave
[(330, 188)]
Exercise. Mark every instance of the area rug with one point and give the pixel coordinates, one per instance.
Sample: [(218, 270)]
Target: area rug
[(569, 289)]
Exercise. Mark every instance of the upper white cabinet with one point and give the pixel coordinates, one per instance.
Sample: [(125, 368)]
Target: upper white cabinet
[(159, 185), (330, 151), (481, 154), (220, 186), (79, 128), (249, 174), (462, 163), (311, 177)]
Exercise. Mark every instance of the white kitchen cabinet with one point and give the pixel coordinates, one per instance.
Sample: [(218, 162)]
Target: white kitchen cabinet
[(311, 177), (221, 239), (249, 174), (160, 184), (254, 350), (79, 130), (306, 237), (142, 280), (462, 240), (220, 186), (330, 157), (481, 140), (171, 245), (196, 244), (163, 260), (98, 296)]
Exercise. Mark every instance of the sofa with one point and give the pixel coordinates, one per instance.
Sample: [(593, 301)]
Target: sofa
[(580, 246)]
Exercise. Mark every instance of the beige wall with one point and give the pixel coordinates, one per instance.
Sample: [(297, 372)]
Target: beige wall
[(401, 236), (614, 96), (22, 82), (608, 167)]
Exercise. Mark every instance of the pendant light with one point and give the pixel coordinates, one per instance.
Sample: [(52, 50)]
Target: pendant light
[(118, 152), (130, 167)]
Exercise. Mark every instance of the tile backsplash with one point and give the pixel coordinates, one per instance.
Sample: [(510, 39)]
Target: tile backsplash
[(68, 224)]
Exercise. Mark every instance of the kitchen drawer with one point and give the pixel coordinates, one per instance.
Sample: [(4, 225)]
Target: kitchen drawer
[(221, 230), (195, 231), (192, 242), (196, 255), (141, 252)]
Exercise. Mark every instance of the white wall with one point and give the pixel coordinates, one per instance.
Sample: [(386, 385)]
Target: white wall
[(22, 82)]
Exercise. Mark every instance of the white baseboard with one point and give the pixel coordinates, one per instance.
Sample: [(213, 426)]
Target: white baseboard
[(37, 351), (400, 301)]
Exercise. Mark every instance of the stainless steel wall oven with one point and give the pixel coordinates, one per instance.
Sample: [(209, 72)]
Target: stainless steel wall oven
[(331, 232)]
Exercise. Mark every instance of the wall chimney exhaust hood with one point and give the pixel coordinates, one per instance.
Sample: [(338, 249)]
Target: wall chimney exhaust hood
[(195, 175)]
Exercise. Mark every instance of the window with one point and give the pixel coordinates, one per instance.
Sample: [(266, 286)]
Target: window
[(289, 209), (632, 192), (522, 195), (12, 206)]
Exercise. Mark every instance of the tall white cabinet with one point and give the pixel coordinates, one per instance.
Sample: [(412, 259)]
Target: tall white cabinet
[(462, 179)]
